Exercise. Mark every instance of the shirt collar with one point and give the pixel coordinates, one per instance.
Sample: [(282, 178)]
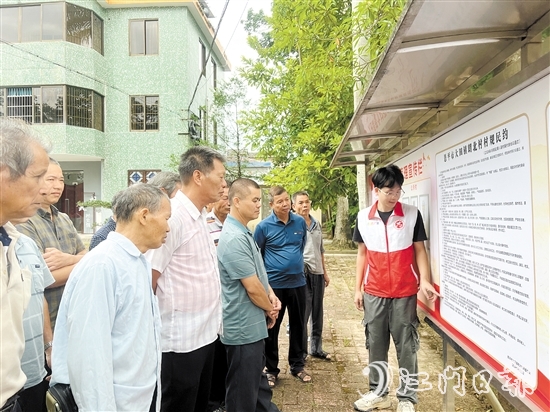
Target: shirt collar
[(230, 219), (47, 215), (397, 210), (189, 205), (11, 232), (125, 243), (211, 214), (291, 217)]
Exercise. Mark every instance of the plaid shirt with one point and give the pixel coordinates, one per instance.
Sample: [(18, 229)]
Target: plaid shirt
[(58, 233)]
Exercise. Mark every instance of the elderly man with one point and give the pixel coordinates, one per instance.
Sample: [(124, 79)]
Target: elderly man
[(107, 339), (56, 237), (216, 217), (247, 301), (168, 182), (282, 237), (316, 275), (23, 164), (188, 287)]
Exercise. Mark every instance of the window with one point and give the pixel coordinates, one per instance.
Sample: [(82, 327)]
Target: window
[(52, 21), (79, 25), (141, 176), (144, 37), (19, 103), (97, 33), (202, 61), (144, 113), (79, 107), (46, 104), (98, 117), (34, 105), (52, 104), (30, 23), (214, 74), (9, 24)]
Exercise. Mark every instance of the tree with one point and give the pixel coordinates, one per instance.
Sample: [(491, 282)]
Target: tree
[(230, 99), (306, 72), (305, 76)]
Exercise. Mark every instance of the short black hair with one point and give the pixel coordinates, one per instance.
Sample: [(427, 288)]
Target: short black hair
[(241, 188), (388, 176)]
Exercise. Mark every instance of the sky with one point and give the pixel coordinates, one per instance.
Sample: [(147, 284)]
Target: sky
[(231, 34)]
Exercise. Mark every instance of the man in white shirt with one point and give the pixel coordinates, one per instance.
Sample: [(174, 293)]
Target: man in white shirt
[(23, 164), (185, 271), (107, 338)]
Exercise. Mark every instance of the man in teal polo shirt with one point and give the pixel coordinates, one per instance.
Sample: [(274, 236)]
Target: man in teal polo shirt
[(282, 237), (247, 300)]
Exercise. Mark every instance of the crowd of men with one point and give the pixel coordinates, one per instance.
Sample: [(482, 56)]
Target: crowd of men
[(174, 308)]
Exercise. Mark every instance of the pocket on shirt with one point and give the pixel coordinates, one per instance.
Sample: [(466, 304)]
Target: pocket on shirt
[(36, 268)]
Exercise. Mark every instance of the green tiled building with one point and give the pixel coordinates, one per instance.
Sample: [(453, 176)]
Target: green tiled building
[(114, 84)]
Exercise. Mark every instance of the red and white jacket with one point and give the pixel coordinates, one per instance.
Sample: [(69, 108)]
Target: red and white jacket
[(390, 266)]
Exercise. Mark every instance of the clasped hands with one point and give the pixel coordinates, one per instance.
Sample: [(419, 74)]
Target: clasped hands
[(273, 314)]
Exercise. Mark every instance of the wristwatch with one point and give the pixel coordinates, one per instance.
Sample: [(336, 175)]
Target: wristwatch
[(47, 346)]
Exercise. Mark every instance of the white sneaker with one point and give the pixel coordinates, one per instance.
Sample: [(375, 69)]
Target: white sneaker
[(405, 406), (372, 401)]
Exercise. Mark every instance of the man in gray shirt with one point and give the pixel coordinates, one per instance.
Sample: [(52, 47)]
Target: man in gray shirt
[(316, 275)]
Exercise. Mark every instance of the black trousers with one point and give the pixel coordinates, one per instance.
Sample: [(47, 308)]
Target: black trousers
[(33, 399), (295, 300), (219, 372), (185, 380), (247, 387)]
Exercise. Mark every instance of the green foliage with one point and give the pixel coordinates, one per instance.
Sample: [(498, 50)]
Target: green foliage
[(95, 203), (305, 76), (375, 21), (306, 71)]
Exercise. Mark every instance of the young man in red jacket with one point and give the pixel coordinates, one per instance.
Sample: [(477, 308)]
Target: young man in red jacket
[(392, 265)]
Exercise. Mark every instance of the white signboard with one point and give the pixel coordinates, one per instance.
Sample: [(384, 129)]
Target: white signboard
[(485, 244)]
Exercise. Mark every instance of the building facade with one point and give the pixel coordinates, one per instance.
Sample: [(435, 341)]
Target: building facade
[(119, 87)]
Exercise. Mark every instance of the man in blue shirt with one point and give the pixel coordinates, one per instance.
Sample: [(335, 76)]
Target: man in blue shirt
[(247, 300), (107, 338), (38, 332), (282, 238)]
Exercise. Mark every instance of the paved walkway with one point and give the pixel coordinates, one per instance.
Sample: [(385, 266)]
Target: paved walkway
[(337, 384)]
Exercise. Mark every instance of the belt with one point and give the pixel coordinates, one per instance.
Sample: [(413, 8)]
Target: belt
[(11, 403)]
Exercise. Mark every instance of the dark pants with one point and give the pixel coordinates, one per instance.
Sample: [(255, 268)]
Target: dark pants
[(247, 387), (33, 399), (185, 380), (153, 406), (295, 300), (395, 316), (314, 311), (217, 387)]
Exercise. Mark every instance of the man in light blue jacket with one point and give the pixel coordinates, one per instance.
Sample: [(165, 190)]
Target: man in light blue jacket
[(107, 337)]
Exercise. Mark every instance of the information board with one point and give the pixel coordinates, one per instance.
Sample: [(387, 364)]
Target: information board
[(486, 256)]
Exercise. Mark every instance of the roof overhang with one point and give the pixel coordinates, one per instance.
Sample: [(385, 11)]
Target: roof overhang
[(447, 61), (199, 10)]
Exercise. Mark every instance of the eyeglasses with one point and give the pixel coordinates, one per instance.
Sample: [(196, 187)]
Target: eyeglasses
[(398, 194)]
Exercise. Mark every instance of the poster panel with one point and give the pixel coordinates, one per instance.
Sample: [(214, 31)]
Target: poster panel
[(485, 186), (486, 258)]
